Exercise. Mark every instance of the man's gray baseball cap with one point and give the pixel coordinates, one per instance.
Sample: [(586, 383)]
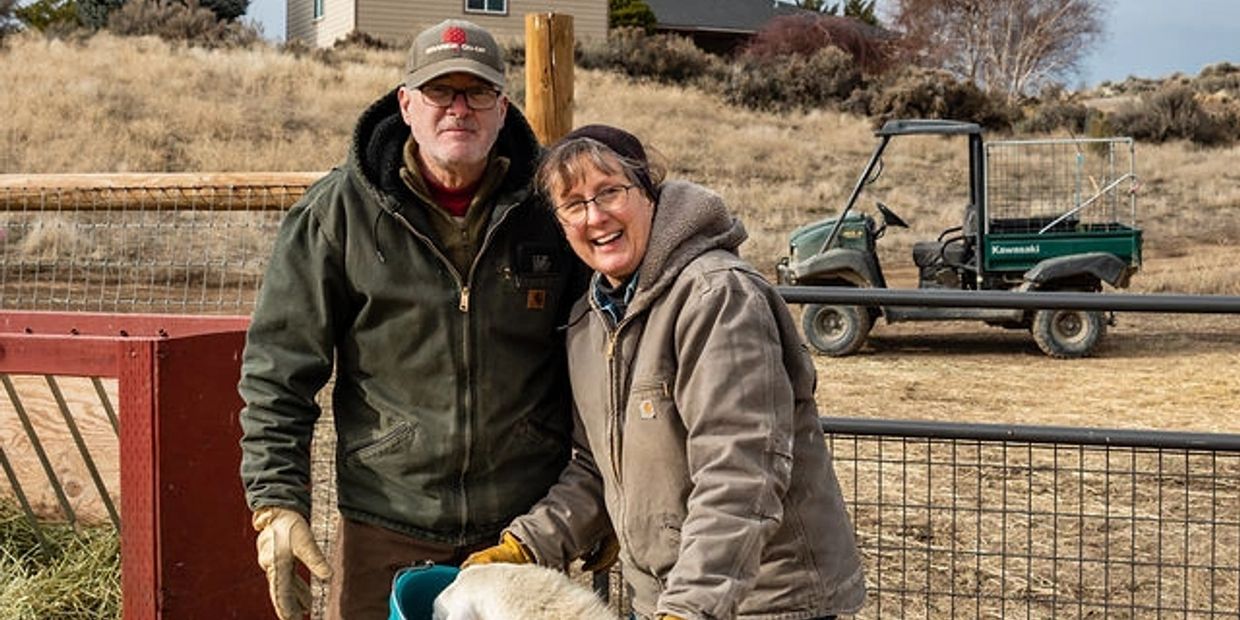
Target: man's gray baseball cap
[(454, 46)]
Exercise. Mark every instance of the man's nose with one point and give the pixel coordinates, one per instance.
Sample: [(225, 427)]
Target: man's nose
[(459, 105)]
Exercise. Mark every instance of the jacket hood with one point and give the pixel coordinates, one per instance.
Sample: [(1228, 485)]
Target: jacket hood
[(376, 153), (689, 220)]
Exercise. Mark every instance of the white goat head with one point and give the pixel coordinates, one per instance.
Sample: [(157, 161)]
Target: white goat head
[(517, 592)]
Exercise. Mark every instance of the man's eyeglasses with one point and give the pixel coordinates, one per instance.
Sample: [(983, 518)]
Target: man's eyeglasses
[(476, 97), (606, 200)]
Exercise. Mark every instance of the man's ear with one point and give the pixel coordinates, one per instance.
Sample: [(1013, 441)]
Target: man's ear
[(405, 97), (503, 109)]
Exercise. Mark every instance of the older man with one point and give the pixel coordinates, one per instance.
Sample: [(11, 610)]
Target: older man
[(426, 272)]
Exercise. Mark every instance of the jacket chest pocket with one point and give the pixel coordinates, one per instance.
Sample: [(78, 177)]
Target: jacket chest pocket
[(534, 274), (652, 442), (650, 399)]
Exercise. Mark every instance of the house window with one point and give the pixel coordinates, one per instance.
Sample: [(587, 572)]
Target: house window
[(318, 8), (486, 6)]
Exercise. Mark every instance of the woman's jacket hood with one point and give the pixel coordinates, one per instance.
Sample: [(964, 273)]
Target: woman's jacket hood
[(689, 220)]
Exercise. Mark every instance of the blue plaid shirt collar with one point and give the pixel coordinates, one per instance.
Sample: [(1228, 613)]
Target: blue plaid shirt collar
[(613, 301)]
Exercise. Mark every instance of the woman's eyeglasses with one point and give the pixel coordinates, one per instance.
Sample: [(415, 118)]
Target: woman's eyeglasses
[(606, 200)]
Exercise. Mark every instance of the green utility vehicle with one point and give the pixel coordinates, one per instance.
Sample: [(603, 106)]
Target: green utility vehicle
[(1044, 215)]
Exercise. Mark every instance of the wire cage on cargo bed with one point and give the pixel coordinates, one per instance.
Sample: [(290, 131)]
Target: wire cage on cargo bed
[(1064, 185)]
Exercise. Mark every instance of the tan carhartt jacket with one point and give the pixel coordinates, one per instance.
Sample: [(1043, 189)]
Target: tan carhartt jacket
[(696, 424)]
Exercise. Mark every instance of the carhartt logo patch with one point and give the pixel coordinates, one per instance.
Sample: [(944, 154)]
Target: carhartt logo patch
[(535, 299), (646, 407)]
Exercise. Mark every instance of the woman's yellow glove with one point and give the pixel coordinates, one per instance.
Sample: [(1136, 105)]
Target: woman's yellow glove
[(670, 617), (508, 551), (603, 556)]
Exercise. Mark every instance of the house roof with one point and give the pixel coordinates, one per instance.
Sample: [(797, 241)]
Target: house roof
[(740, 16)]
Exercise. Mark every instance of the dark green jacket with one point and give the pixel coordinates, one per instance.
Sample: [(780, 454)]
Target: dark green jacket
[(451, 400)]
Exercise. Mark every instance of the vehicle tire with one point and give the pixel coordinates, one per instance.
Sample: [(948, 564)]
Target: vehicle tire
[(1068, 334), (836, 330)]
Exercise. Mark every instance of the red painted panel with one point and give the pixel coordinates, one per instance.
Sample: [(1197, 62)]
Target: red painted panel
[(206, 543), (77, 356), (139, 534), (187, 548), (117, 324)]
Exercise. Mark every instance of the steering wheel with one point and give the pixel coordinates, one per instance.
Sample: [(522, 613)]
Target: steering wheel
[(889, 216)]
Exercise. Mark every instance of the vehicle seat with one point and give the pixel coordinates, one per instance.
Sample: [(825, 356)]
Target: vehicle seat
[(954, 245)]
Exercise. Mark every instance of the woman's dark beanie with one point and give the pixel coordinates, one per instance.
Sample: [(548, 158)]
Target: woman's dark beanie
[(624, 144)]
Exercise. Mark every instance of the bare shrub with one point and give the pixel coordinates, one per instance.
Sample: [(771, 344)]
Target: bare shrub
[(825, 78), (300, 49), (49, 17), (514, 53), (1055, 115), (928, 93), (806, 33), (356, 39), (94, 14), (1172, 113), (664, 58), (1220, 81), (226, 10), (8, 20), (173, 21)]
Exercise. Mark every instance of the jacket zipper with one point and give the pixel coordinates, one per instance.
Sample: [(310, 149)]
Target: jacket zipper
[(466, 394)]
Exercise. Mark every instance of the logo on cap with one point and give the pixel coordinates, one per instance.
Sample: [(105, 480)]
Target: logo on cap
[(454, 35), (455, 41)]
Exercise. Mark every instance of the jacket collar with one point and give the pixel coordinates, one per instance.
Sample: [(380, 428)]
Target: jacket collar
[(689, 220)]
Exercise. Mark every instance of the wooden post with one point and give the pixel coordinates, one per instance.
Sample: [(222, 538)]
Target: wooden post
[(549, 74)]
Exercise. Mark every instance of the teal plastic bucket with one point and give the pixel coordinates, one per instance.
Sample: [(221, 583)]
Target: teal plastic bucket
[(414, 589)]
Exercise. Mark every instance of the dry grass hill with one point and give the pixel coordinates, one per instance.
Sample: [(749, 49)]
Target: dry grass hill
[(111, 104)]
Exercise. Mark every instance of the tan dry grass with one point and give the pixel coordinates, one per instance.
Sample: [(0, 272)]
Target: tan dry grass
[(109, 104), (112, 104), (142, 104)]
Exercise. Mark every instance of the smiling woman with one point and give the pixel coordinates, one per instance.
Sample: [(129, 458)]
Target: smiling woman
[(599, 165), (712, 398)]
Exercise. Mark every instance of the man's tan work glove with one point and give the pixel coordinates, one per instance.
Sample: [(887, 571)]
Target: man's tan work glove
[(284, 537), (603, 555), (508, 551)]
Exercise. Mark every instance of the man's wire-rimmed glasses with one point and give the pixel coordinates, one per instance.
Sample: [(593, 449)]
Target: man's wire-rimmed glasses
[(476, 97), (606, 200)]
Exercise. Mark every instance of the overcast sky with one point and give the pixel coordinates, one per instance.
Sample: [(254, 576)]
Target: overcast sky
[(1146, 38)]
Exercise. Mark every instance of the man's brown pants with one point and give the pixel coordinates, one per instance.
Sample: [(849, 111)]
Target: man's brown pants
[(365, 558)]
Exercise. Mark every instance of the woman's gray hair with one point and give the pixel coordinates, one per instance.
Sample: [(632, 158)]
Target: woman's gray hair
[(568, 162)]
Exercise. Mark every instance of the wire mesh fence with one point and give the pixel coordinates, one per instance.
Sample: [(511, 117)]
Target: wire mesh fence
[(139, 243), (968, 521), (1035, 186)]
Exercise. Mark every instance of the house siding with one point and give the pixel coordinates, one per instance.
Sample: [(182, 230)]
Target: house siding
[(396, 21), (337, 21)]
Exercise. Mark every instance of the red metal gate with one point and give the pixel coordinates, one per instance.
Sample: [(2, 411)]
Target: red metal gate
[(187, 548)]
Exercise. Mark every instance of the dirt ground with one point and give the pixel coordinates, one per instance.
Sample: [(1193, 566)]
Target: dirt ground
[(1152, 371)]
